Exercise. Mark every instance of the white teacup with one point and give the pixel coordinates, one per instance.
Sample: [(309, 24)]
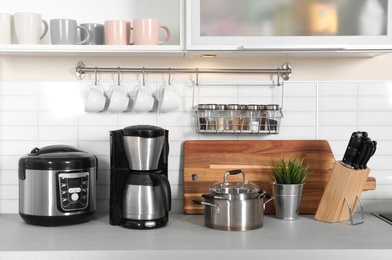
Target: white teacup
[(96, 99), (144, 101), (169, 100), (119, 99)]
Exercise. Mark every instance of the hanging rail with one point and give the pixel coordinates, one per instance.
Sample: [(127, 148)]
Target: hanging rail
[(284, 72)]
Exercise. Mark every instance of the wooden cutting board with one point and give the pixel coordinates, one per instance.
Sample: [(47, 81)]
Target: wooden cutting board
[(206, 162)]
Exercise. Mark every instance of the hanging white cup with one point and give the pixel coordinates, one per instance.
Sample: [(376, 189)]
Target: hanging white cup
[(96, 99), (144, 101), (169, 100), (119, 99)]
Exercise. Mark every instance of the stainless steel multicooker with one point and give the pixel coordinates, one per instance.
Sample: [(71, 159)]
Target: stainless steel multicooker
[(57, 186)]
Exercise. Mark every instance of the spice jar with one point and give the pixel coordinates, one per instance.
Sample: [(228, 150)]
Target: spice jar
[(253, 117), (263, 117), (201, 114), (273, 115), (211, 116), (234, 113), (244, 120), (221, 117)]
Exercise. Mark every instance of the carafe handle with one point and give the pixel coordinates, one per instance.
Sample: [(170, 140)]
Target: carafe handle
[(166, 190)]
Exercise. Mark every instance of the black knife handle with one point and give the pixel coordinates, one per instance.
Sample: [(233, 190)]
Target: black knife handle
[(353, 148), (361, 152), (372, 151), (367, 147)]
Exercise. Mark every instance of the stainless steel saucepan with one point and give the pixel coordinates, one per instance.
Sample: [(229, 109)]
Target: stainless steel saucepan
[(234, 206)]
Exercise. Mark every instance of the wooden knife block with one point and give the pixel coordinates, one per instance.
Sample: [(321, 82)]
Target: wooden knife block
[(343, 182)]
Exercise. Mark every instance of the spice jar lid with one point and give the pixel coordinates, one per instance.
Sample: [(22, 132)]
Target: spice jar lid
[(272, 107), (252, 107), (211, 106), (222, 107), (201, 107), (233, 107)]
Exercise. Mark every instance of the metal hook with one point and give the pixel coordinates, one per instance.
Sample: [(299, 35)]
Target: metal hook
[(118, 76), (144, 76), (278, 77), (197, 76), (169, 80), (96, 76)]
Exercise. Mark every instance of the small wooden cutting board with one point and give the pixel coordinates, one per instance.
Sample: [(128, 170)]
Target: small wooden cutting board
[(206, 162)]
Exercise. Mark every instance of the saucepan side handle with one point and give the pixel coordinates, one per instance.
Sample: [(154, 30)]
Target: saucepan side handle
[(200, 202)]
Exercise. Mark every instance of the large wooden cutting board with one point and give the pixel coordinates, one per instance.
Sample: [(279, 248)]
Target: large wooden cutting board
[(205, 162)]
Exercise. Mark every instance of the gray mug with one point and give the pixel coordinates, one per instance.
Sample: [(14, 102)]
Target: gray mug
[(96, 30), (65, 31)]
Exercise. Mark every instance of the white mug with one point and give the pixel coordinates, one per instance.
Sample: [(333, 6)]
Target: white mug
[(28, 28), (144, 101), (119, 99), (169, 100), (5, 28), (96, 99)]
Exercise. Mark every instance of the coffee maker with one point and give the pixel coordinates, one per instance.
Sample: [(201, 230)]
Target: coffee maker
[(140, 193)]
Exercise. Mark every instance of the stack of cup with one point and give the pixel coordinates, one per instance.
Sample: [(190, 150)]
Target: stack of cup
[(145, 32)]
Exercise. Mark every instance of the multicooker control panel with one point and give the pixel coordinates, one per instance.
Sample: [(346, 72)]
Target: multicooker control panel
[(73, 188)]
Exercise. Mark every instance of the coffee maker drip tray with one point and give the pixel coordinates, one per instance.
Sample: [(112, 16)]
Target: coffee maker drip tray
[(145, 224)]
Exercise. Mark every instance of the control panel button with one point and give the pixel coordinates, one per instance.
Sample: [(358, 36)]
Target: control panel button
[(150, 224), (74, 197), (73, 190)]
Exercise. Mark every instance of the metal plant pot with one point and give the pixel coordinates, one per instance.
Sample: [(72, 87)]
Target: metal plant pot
[(287, 200)]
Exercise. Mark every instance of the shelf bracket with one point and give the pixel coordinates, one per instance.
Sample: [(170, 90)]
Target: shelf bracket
[(79, 70)]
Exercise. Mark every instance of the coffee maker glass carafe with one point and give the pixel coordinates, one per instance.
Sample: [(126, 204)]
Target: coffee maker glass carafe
[(139, 168)]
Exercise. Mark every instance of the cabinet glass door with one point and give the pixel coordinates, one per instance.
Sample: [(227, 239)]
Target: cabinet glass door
[(301, 24)]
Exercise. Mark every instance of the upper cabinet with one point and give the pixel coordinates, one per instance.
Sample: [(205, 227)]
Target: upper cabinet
[(229, 26), (289, 25)]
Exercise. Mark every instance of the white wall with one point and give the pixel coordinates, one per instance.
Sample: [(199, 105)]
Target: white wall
[(47, 108)]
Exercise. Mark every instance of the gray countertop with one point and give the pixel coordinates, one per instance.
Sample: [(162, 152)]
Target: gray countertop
[(186, 237)]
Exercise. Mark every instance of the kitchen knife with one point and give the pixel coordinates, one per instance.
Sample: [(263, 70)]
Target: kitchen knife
[(372, 151), (361, 151), (354, 145), (366, 154)]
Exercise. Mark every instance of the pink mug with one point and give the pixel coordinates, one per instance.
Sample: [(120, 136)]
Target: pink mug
[(117, 32), (146, 32)]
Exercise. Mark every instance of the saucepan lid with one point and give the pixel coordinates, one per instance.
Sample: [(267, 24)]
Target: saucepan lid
[(233, 188)]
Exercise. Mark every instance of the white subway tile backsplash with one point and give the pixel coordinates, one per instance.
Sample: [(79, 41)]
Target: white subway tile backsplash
[(15, 118), (53, 118), (338, 103), (300, 89), (8, 177), (54, 133), (18, 133), (18, 103), (18, 88), (16, 147), (338, 118), (375, 89), (375, 118), (374, 103), (299, 104), (9, 192), (36, 114), (97, 119), (338, 89)]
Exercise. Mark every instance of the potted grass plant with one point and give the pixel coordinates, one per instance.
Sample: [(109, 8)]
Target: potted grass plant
[(289, 176)]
